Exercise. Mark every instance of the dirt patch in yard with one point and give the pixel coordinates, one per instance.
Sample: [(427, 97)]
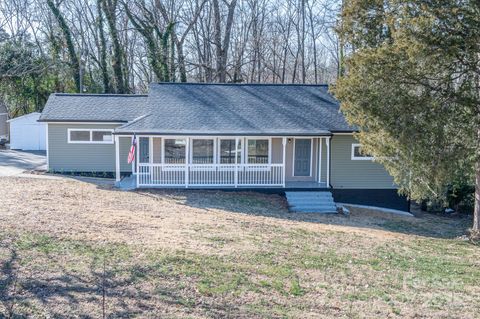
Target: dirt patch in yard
[(75, 249)]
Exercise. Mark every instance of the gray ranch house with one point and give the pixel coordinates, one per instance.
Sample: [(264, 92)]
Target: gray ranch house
[(273, 137)]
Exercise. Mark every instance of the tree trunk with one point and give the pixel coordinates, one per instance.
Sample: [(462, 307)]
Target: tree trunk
[(476, 212), (74, 60), (110, 8), (221, 47), (103, 50), (302, 12), (181, 62)]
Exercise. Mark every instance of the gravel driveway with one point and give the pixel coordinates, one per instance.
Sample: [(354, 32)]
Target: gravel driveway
[(16, 162)]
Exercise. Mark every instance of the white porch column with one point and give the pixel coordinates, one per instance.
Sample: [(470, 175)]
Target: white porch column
[(187, 157), (133, 162), (320, 142), (236, 162), (328, 160), (284, 144), (117, 158), (137, 161)]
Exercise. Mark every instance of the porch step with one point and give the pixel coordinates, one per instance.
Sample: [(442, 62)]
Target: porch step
[(311, 202), (309, 195)]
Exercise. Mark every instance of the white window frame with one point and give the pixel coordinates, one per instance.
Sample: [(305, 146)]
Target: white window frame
[(190, 160), (90, 130), (175, 138), (359, 158), (219, 144), (269, 149)]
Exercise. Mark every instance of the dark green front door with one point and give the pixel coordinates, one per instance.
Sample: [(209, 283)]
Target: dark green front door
[(303, 157)]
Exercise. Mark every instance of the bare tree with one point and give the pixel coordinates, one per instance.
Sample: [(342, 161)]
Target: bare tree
[(67, 34), (121, 46), (222, 40), (109, 7)]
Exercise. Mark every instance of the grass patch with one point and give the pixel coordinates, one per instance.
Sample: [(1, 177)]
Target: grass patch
[(77, 250)]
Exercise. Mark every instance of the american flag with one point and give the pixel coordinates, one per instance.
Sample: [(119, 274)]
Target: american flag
[(131, 154)]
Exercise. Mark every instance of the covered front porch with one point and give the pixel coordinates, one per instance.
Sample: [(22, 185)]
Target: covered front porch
[(287, 162)]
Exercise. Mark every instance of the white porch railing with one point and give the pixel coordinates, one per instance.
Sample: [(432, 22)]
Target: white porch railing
[(209, 175)]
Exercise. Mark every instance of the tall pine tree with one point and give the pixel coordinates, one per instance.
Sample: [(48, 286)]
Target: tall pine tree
[(412, 88)]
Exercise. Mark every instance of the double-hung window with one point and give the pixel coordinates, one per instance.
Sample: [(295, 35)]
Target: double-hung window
[(174, 150), (202, 151), (227, 152), (90, 136), (258, 151)]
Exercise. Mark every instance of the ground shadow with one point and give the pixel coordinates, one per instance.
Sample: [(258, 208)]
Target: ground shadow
[(261, 203), (276, 206), (105, 288)]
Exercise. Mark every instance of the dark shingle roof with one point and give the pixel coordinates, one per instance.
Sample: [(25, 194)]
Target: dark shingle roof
[(249, 109), (208, 109), (63, 107)]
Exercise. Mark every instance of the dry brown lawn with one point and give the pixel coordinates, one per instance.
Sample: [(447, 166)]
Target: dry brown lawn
[(73, 249)]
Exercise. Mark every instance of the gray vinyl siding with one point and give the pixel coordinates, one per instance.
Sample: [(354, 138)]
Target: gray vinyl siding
[(355, 174), (63, 156)]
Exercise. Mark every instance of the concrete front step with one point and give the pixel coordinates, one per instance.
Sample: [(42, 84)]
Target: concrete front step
[(311, 199), (311, 202), (310, 210), (314, 206), (309, 194)]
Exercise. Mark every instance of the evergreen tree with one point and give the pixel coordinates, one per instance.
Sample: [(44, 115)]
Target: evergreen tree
[(412, 88)]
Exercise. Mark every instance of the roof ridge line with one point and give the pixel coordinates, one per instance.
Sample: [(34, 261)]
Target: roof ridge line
[(135, 120), (239, 84), (100, 94)]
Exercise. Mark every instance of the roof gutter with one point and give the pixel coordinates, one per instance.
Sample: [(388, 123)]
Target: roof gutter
[(220, 134), (345, 132), (84, 121)]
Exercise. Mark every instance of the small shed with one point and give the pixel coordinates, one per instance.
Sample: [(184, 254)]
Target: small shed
[(27, 134)]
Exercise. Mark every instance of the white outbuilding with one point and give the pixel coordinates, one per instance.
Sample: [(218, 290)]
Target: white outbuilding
[(26, 133)]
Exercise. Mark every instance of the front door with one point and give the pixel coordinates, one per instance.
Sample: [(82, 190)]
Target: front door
[(144, 150), (303, 157)]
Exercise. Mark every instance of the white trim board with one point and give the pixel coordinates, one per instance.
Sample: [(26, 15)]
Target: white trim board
[(22, 117)]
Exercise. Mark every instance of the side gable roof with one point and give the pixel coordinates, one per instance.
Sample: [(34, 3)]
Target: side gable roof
[(207, 109), (250, 109), (62, 107)]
